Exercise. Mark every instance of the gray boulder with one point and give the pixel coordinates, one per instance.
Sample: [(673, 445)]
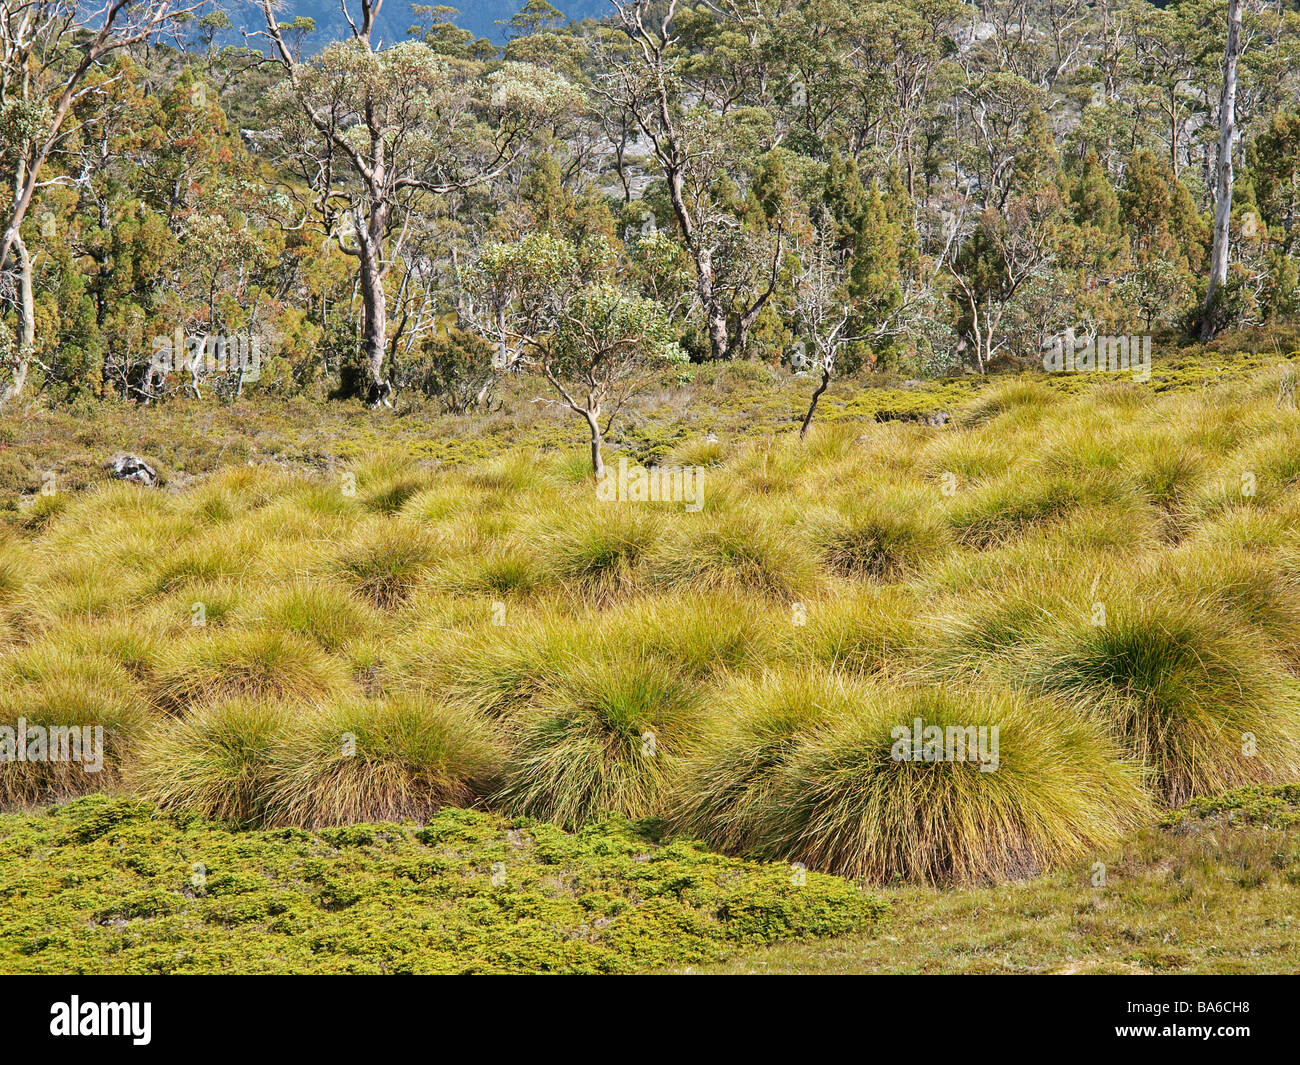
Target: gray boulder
[(133, 468)]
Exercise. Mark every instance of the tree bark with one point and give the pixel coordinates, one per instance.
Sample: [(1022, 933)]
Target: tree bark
[(812, 406), (597, 441), (26, 321), (374, 331), (715, 317), (1223, 183)]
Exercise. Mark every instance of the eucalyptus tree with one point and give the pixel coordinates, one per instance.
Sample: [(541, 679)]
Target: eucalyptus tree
[(1224, 171), (559, 309), (373, 134), (706, 159), (48, 52)]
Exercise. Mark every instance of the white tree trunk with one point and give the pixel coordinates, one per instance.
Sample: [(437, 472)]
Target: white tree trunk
[(26, 339), (1223, 183)]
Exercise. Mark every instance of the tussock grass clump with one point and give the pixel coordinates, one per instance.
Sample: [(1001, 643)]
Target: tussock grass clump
[(194, 607), (739, 550), (130, 643), (731, 783), (318, 499), (446, 498), (702, 633), (384, 563), (989, 630), (1254, 590), (974, 455), (1123, 528), (1166, 470), (806, 768), (1183, 689), (257, 663), (1126, 396), (603, 737), (828, 441), (1259, 474), (206, 561), (13, 570), (598, 551), (993, 513), (882, 539), (777, 466), (506, 567), (385, 484), (397, 759), (43, 511), (254, 486), (215, 761), (1023, 397), (517, 472), (860, 632), (53, 689), (1246, 529), (496, 668), (215, 503), (698, 451), (58, 655), (324, 613), (83, 587)]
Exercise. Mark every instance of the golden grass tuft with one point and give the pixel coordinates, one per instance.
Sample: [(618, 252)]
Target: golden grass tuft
[(804, 767), (256, 663), (397, 759)]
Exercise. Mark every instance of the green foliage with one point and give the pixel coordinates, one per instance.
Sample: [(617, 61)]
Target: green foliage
[(467, 893)]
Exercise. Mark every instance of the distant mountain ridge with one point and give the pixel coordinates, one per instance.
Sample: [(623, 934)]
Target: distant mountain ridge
[(396, 17)]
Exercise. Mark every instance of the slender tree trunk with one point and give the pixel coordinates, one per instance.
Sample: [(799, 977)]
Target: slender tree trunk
[(375, 329), (714, 316), (26, 339), (812, 406), (1223, 183), (1173, 130), (597, 441)]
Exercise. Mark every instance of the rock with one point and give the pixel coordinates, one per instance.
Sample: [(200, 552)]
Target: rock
[(135, 469), (939, 417)]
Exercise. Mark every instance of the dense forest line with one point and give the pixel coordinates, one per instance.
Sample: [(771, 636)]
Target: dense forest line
[(919, 186)]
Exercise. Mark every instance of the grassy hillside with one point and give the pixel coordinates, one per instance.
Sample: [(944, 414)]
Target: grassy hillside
[(1104, 571)]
